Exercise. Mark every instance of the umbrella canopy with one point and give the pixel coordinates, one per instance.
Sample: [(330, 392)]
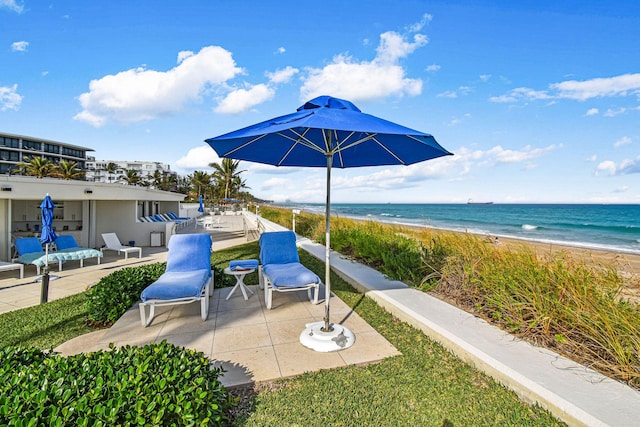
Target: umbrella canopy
[(328, 132), (200, 207), (48, 235)]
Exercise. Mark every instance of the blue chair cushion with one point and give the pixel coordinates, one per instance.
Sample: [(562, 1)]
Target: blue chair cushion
[(28, 245), (66, 242), (290, 275), (189, 252), (179, 284), (243, 263), (278, 247)]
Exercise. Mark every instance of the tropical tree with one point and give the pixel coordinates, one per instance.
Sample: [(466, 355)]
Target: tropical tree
[(36, 166), (227, 175), (111, 169), (132, 177), (67, 170), (200, 182)]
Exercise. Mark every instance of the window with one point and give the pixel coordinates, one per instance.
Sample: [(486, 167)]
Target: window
[(31, 145), (66, 151), (51, 148), (9, 142)]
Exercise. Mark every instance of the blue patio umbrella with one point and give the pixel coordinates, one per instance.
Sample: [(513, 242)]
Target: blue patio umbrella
[(48, 236), (200, 207), (328, 132)]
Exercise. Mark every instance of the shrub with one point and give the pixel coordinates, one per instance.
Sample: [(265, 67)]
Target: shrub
[(114, 294), (158, 384)]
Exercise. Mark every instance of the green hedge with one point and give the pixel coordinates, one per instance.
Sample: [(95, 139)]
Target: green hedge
[(114, 294), (158, 384)]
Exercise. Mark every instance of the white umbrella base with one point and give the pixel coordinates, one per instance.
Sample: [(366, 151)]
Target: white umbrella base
[(314, 338)]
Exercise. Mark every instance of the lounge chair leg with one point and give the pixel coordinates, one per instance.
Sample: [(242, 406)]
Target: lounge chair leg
[(260, 278), (204, 302), (312, 294), (268, 296)]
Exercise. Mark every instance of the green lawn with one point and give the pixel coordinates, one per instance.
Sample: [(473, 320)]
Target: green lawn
[(425, 386)]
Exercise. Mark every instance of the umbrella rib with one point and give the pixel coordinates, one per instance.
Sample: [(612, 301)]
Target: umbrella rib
[(240, 147)]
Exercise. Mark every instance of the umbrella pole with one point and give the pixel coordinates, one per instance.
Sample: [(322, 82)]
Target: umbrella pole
[(327, 261), (44, 290)]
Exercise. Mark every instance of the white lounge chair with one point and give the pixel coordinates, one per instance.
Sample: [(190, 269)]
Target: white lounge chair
[(113, 244)]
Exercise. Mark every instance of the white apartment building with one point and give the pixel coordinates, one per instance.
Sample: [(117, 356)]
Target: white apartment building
[(96, 170)]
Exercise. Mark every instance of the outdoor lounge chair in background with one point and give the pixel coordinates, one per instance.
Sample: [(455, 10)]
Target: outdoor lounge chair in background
[(280, 268), (69, 250), (187, 279), (30, 252), (113, 244)]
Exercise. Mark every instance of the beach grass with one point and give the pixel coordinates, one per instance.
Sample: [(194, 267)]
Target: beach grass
[(551, 299)]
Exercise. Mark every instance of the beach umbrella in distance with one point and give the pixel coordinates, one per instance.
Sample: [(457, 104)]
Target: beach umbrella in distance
[(47, 237), (328, 132), (200, 206)]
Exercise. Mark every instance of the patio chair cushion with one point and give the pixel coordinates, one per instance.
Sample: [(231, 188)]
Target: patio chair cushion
[(278, 248), (27, 245), (290, 275), (177, 284), (243, 263)]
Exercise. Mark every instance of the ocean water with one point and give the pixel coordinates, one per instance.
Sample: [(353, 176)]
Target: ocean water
[(608, 227)]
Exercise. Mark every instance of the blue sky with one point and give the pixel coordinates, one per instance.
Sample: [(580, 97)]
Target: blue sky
[(539, 100)]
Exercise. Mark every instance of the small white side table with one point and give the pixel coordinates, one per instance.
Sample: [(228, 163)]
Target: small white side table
[(12, 266), (239, 275)]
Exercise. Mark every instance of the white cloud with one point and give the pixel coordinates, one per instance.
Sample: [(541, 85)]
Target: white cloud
[(283, 75), (520, 94), (140, 94), (281, 50), (625, 167), (462, 90), (276, 184), (198, 158), (600, 87), (593, 158), (12, 5), (625, 140), (355, 80), (433, 68), (623, 85), (485, 77), (592, 112), (10, 99), (241, 100), (20, 46), (418, 26), (448, 94), (499, 155), (612, 113)]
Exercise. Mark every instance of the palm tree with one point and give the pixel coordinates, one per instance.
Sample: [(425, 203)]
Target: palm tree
[(67, 170), (132, 177), (200, 181), (226, 174), (36, 166), (111, 169)]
